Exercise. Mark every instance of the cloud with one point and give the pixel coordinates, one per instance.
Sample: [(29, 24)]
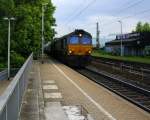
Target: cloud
[(106, 12)]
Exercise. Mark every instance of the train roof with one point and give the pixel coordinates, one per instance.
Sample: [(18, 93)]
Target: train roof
[(77, 31)]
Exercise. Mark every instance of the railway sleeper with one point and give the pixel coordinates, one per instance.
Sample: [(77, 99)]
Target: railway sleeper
[(141, 99), (145, 102), (125, 91), (115, 88), (129, 93), (131, 96)]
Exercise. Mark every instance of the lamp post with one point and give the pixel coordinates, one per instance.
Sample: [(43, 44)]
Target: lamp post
[(43, 5), (97, 35), (9, 20), (121, 52)]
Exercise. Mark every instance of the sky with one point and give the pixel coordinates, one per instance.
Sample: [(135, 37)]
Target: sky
[(83, 14)]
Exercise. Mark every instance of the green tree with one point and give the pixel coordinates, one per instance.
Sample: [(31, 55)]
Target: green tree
[(6, 9), (139, 27), (146, 27), (143, 27), (26, 30)]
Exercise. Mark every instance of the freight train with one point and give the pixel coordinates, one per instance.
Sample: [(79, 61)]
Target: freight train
[(73, 49)]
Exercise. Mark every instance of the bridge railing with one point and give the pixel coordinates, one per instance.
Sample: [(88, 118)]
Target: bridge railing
[(11, 99)]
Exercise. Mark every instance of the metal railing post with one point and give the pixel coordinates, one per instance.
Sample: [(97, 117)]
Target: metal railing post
[(18, 97), (6, 113)]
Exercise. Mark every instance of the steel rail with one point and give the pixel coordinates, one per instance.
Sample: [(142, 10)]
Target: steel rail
[(128, 91)]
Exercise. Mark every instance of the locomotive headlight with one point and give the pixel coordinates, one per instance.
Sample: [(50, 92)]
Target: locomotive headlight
[(90, 51), (80, 35), (70, 51)]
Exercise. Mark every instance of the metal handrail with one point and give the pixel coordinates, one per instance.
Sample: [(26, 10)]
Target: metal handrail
[(10, 100)]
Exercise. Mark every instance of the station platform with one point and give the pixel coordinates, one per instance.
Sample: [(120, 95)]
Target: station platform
[(57, 92), (3, 85)]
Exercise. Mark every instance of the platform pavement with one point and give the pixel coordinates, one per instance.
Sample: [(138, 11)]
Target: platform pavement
[(30, 109), (3, 85), (41, 100), (37, 101)]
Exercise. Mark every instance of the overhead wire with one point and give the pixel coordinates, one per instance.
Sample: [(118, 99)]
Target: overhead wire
[(127, 17), (81, 11), (122, 18), (90, 3), (130, 5), (72, 13)]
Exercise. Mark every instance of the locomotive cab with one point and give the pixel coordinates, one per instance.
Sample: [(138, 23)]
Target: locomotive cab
[(74, 48), (79, 45), (80, 48)]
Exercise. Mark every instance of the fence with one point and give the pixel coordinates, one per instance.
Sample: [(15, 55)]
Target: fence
[(10, 101), (4, 73)]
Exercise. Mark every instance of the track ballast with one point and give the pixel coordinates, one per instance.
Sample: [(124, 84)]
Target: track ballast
[(132, 93)]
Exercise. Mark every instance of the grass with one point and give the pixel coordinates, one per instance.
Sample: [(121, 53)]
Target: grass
[(99, 53)]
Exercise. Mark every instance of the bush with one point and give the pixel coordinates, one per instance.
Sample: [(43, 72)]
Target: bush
[(16, 60), (2, 65)]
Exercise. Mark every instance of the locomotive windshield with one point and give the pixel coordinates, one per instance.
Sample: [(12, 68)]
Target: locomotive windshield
[(86, 41), (74, 40), (80, 40)]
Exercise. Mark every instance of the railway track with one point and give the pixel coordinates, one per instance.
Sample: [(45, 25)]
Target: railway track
[(132, 67), (139, 74), (132, 93)]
